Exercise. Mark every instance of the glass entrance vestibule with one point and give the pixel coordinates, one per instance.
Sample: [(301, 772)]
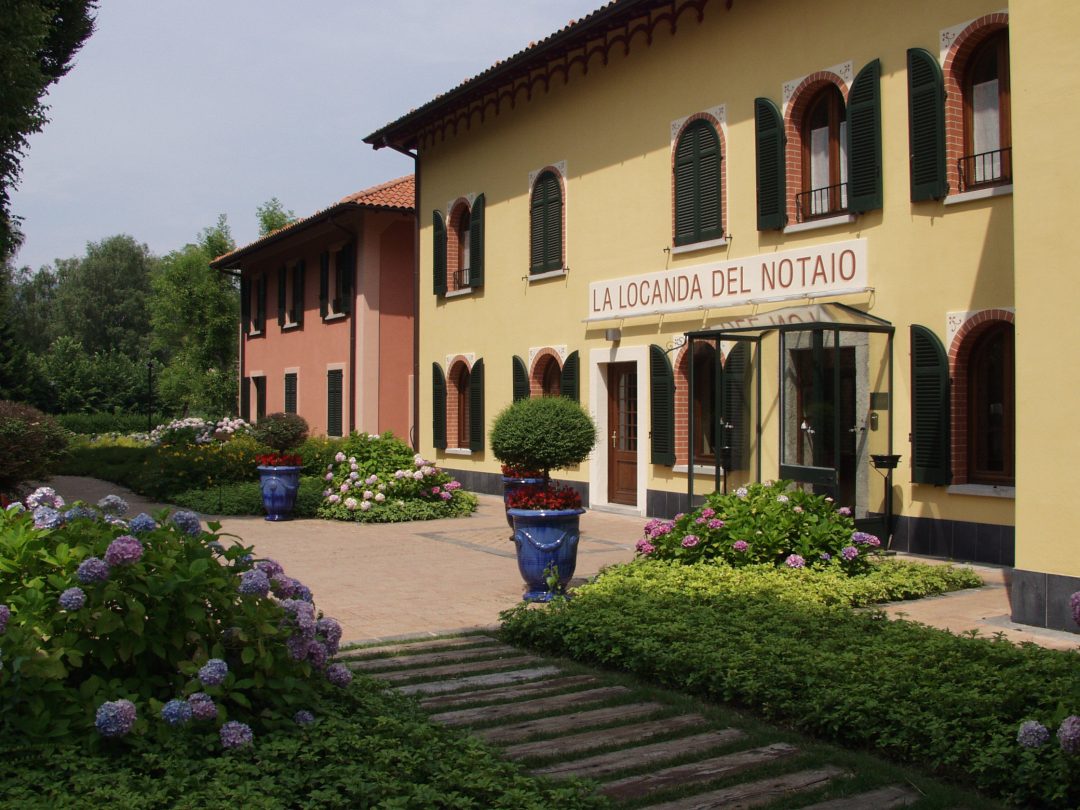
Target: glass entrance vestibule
[(802, 394)]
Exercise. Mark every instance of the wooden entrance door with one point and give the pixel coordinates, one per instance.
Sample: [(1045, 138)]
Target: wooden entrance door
[(622, 436)]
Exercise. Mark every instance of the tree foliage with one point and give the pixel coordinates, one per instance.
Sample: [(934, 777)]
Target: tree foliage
[(38, 40), (272, 216)]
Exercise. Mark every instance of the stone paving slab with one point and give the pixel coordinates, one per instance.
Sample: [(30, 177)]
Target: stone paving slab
[(430, 659), (884, 798), (705, 770), (492, 679), (506, 693), (523, 708), (755, 794), (568, 722), (434, 644), (602, 766), (435, 673), (589, 740)]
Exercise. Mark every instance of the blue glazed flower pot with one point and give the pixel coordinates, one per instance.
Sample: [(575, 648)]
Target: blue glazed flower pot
[(279, 486), (512, 485), (546, 542)]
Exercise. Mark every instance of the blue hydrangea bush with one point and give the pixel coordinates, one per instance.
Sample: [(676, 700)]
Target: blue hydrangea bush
[(118, 629), (378, 479), (763, 523)]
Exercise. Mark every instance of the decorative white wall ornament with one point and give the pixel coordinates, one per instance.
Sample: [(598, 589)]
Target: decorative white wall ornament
[(559, 350), (560, 167), (948, 36), (718, 112)]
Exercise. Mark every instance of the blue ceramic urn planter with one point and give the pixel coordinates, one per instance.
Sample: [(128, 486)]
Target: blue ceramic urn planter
[(512, 484), (547, 542), (279, 486)]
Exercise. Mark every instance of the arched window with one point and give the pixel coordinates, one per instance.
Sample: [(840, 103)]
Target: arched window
[(987, 133), (991, 408), (551, 381), (704, 404), (459, 248), (546, 221), (824, 155), (698, 215), (459, 405)]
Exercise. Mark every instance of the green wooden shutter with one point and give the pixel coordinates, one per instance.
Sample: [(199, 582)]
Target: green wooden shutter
[(299, 278), (930, 434), (290, 393), (521, 379), (438, 252), (476, 243), (662, 399), (926, 126), (569, 387), (864, 140), (545, 225), (324, 283), (476, 406), (260, 304), (346, 275), (245, 306), (334, 401), (733, 408), (438, 407), (282, 285), (245, 398), (697, 185), (771, 166)]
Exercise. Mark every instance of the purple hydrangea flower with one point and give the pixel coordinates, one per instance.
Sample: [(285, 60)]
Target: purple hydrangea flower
[(79, 512), (1074, 603), (1032, 734), (742, 492), (845, 511), (825, 556), (187, 522), (124, 550), (645, 548), (700, 521), (72, 599), (44, 496), (782, 499), (317, 654), (142, 522), (339, 675), (202, 706), (740, 546), (658, 528), (5, 616), (235, 734), (115, 718), (330, 630), (272, 568), (849, 553), (303, 718), (92, 569), (690, 541), (303, 593), (113, 505), (1069, 734), (254, 583), (302, 614), (297, 647), (708, 512), (45, 517), (865, 539), (795, 561), (113, 520), (213, 672), (716, 523), (283, 587), (15, 508), (176, 712)]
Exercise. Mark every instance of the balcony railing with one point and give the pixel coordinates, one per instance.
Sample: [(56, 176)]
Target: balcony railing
[(821, 202), (985, 169), (461, 279)]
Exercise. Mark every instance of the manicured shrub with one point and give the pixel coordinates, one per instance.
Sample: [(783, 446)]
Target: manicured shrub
[(543, 433), (778, 642), (31, 444), (281, 431), (111, 622), (245, 498), (763, 523), (105, 423), (378, 479)]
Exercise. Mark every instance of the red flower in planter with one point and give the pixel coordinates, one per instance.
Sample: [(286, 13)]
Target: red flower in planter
[(550, 498), (280, 460), (517, 471)]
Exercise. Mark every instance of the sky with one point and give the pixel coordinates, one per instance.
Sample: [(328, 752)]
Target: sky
[(176, 112)]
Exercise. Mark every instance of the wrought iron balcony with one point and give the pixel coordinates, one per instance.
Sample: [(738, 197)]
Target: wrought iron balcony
[(821, 202), (985, 169), (461, 279)]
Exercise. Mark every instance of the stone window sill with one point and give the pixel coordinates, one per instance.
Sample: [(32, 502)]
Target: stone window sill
[(710, 243), (982, 490), (979, 194), (817, 224), (459, 293), (699, 469), (337, 316), (549, 274), (458, 451)]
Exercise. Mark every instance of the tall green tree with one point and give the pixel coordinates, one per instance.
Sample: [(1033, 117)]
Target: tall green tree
[(272, 216), (33, 301), (14, 370), (38, 39), (102, 299), (194, 312)]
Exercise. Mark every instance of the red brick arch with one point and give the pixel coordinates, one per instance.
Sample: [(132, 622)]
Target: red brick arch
[(455, 368), (460, 209), (540, 363)]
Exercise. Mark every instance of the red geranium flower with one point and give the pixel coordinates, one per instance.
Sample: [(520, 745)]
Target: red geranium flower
[(280, 460), (548, 498)]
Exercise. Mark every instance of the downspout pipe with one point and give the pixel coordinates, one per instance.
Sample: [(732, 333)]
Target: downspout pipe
[(414, 439)]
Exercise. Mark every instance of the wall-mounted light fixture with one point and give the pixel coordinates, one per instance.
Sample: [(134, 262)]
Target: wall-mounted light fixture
[(614, 335)]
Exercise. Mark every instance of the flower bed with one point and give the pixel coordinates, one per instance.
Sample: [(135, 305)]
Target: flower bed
[(378, 479)]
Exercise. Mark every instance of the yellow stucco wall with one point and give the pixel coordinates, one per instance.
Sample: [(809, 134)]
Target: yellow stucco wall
[(1046, 70), (612, 127)]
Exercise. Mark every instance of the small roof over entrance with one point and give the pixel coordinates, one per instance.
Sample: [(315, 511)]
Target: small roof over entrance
[(825, 315)]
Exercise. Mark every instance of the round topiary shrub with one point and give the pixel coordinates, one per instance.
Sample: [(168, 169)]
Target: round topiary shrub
[(282, 431), (543, 433), (110, 627), (30, 444)]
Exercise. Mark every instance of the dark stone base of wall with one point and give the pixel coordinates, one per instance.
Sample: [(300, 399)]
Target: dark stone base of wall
[(955, 539), (668, 504), (491, 483), (1042, 600)]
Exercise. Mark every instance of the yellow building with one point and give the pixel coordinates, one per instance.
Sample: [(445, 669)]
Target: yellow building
[(758, 242)]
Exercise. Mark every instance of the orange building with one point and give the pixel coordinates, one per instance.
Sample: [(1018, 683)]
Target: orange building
[(340, 348)]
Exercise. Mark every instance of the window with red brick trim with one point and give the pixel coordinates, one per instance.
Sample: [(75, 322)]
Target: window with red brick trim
[(458, 237), (991, 407), (824, 155), (987, 156)]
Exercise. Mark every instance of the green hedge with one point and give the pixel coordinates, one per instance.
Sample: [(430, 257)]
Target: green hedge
[(797, 653), (245, 498), (90, 424)]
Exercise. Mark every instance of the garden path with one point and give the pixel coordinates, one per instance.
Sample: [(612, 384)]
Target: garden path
[(387, 580)]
